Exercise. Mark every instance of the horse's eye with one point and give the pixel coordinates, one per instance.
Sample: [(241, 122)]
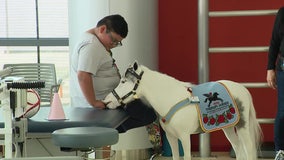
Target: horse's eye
[(123, 81)]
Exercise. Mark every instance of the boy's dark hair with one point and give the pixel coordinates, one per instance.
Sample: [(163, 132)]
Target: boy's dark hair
[(115, 23)]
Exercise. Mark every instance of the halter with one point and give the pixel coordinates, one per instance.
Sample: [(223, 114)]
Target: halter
[(133, 91)]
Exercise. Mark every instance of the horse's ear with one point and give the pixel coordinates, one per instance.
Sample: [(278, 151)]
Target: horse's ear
[(135, 65)]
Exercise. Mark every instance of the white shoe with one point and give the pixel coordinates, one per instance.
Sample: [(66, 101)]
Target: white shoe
[(279, 155)]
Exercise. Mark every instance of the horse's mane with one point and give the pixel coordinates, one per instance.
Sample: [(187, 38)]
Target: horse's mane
[(165, 77), (156, 84)]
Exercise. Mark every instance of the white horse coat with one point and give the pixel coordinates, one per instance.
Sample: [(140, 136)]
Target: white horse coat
[(162, 92)]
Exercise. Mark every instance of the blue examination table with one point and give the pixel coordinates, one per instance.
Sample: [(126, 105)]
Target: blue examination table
[(75, 117)]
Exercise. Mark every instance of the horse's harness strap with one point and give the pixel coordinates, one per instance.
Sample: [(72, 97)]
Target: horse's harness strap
[(132, 72), (133, 91), (179, 105)]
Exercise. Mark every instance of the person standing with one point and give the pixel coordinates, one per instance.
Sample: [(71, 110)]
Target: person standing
[(275, 79), (94, 73)]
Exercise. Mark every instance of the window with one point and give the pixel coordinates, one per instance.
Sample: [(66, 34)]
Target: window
[(36, 31)]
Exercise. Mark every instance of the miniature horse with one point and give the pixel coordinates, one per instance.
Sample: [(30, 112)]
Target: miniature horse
[(162, 92)]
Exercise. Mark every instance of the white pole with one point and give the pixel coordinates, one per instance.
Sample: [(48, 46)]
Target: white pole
[(203, 66)]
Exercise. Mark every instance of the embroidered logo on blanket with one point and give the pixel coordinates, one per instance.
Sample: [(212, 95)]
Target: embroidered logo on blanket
[(217, 109)]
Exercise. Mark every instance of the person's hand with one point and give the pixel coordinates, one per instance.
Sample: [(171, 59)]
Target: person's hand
[(271, 79), (99, 104)]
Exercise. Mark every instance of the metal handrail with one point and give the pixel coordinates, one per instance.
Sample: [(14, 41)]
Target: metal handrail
[(255, 85), (238, 49), (242, 13), (266, 120)]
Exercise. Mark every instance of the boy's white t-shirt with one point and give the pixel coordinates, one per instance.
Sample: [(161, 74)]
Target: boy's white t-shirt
[(91, 56)]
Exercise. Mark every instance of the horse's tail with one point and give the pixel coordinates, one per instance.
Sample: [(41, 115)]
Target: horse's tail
[(254, 126)]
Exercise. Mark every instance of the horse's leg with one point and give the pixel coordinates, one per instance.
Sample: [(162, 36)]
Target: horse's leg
[(173, 141), (235, 142), (186, 145)]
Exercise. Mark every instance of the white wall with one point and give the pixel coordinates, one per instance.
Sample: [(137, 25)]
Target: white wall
[(83, 16), (141, 42)]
